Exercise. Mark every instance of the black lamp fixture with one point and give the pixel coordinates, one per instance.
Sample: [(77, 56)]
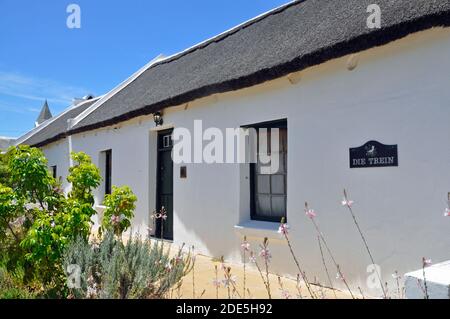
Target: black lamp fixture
[(157, 117)]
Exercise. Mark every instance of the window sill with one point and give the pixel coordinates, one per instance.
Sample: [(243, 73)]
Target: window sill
[(259, 229)]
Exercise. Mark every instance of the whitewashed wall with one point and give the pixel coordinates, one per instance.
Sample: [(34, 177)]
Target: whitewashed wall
[(398, 94)]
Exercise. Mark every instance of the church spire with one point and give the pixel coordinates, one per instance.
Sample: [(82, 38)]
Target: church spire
[(44, 115)]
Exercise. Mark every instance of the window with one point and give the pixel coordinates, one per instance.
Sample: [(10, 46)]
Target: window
[(269, 189), (108, 171), (54, 171)]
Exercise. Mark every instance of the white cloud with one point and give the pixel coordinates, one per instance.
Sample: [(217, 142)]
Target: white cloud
[(15, 85)]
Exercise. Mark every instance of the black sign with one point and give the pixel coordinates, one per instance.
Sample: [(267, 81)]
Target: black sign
[(374, 154)]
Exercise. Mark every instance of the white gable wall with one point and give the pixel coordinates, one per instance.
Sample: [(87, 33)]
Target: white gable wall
[(398, 94)]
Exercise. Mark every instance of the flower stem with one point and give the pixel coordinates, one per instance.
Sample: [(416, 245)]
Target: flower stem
[(326, 268), (341, 275), (365, 242), (425, 280), (305, 279), (263, 279)]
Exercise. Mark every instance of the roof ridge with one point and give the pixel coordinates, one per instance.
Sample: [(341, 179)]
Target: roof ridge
[(104, 98), (221, 36), (46, 123)]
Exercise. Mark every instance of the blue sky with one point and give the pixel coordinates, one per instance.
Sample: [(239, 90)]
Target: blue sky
[(40, 58)]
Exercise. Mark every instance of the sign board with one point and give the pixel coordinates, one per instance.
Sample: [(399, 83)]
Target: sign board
[(373, 154)]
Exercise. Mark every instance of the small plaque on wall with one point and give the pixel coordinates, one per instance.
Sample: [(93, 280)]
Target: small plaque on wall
[(374, 154), (183, 172)]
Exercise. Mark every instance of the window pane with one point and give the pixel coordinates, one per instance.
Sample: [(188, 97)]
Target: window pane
[(263, 205), (281, 162), (279, 205), (269, 193), (263, 141), (263, 184), (278, 184)]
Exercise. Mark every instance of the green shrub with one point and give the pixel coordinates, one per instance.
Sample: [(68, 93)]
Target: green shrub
[(84, 177), (116, 270), (120, 205), (69, 218), (4, 169), (29, 175), (12, 288)]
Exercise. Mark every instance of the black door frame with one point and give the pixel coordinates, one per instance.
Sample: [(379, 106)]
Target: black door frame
[(159, 150)]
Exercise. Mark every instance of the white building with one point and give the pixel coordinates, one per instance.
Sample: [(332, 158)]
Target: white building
[(334, 84)]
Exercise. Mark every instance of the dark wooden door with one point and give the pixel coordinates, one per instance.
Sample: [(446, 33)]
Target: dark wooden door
[(164, 188)]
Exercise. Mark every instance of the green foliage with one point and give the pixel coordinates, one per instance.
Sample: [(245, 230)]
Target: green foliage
[(4, 169), (39, 225), (52, 230), (8, 210), (116, 270), (85, 177), (29, 175), (12, 288), (14, 222), (120, 206)]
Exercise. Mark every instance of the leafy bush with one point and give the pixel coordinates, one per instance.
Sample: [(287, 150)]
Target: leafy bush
[(4, 170), (116, 270), (38, 223), (8, 211), (52, 229), (12, 288), (119, 210), (85, 177), (28, 188), (29, 175)]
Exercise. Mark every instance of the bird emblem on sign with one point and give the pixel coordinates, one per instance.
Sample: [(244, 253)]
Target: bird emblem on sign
[(371, 151)]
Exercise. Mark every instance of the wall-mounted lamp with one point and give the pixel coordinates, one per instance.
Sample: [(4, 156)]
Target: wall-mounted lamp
[(157, 117)]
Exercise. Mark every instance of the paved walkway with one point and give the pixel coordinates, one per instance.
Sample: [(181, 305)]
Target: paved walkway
[(205, 274)]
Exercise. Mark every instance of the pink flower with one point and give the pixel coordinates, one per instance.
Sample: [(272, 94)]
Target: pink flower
[(396, 276), (265, 254), (178, 259), (216, 283), (252, 258), (115, 219), (447, 212), (283, 229), (426, 262), (310, 213), (347, 202), (245, 246), (285, 294), (340, 277), (231, 281)]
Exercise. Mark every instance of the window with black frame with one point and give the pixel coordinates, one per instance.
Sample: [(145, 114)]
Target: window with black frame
[(269, 190)]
